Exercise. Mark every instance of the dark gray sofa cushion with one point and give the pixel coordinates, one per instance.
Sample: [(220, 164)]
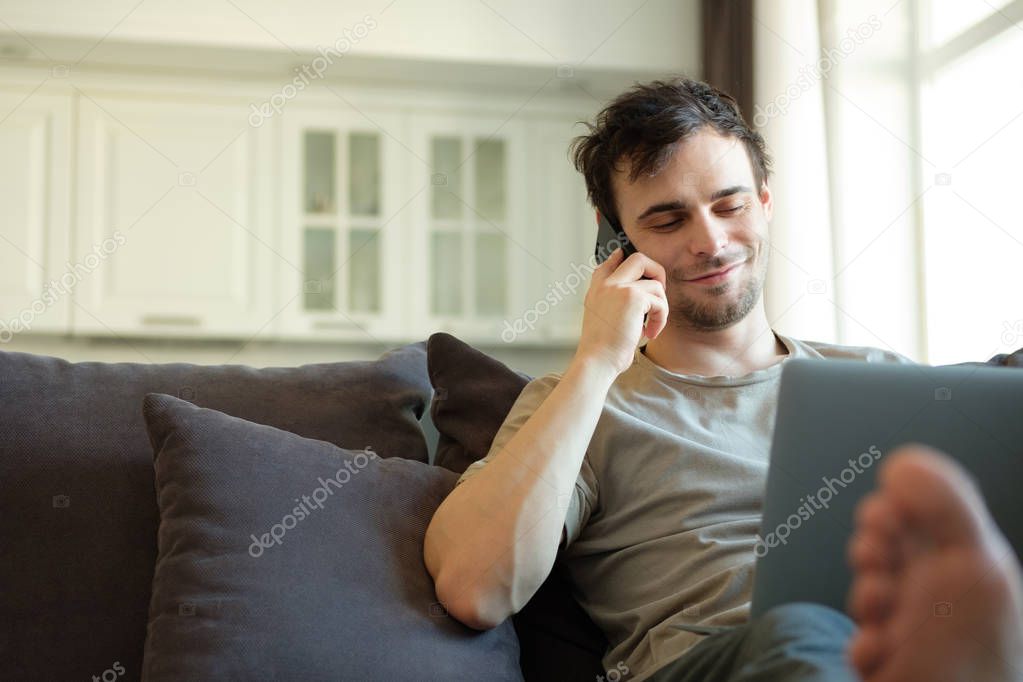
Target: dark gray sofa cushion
[(78, 515), (473, 394), (282, 557)]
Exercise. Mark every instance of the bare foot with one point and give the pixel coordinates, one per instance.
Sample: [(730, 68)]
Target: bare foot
[(936, 588)]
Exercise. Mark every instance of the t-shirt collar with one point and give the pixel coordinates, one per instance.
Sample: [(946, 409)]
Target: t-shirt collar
[(647, 365)]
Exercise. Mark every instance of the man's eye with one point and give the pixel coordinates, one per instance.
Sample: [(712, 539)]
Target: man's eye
[(734, 209), (658, 227)]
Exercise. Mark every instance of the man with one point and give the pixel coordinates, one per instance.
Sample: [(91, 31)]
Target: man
[(650, 463)]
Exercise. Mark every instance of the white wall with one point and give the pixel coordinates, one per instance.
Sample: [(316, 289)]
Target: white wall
[(626, 34)]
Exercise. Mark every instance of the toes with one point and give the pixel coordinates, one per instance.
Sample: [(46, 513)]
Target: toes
[(876, 513), (929, 520), (933, 495), (868, 552), (867, 651), (874, 545), (871, 598)]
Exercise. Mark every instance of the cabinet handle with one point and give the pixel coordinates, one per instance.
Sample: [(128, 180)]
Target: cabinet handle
[(172, 320), (334, 324)]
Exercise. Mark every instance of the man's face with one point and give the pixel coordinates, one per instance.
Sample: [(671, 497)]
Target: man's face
[(701, 214)]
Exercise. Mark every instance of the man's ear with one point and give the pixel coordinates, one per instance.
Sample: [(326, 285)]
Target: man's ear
[(766, 201)]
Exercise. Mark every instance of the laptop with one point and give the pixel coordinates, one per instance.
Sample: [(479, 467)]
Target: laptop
[(836, 422)]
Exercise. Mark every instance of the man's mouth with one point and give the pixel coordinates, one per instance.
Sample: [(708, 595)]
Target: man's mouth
[(717, 275)]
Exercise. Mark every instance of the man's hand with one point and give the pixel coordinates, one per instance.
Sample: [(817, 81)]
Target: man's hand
[(614, 307)]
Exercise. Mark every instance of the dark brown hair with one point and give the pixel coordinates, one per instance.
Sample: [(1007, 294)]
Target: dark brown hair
[(647, 123)]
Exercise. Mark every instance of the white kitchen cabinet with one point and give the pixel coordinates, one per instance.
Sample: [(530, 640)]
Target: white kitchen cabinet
[(343, 191), (404, 222), (383, 215), (469, 224), (186, 185), (36, 279)]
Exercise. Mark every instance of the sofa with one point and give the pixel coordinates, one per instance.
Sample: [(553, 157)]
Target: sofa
[(178, 521)]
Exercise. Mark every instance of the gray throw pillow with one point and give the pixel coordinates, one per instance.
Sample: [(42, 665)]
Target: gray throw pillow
[(282, 557)]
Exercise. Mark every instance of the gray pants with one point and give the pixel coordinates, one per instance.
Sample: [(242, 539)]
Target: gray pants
[(793, 642)]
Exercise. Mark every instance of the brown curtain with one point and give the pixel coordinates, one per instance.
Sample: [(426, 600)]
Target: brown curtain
[(728, 49)]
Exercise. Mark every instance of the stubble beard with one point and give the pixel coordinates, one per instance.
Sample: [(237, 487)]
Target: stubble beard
[(712, 311)]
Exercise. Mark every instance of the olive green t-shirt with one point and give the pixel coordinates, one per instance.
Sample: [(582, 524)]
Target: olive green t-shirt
[(662, 523)]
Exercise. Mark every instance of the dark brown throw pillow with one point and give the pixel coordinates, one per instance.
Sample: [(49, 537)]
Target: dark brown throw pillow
[(473, 393)]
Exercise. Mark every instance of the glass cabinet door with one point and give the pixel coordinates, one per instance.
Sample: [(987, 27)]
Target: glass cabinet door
[(362, 283), (342, 254), (491, 184), (319, 154), (408, 227), (339, 208), (468, 226)]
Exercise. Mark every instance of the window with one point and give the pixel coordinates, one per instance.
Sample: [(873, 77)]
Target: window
[(971, 119)]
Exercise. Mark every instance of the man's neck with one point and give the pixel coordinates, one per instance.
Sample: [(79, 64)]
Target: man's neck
[(745, 347)]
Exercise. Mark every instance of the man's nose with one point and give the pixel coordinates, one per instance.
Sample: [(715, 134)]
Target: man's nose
[(708, 237)]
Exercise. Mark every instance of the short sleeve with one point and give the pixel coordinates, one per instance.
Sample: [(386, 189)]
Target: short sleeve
[(584, 493), (582, 502), (866, 353)]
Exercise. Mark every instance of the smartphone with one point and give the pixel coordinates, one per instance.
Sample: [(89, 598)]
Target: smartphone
[(609, 237)]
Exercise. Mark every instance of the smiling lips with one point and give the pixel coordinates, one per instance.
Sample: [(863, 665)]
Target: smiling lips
[(717, 275)]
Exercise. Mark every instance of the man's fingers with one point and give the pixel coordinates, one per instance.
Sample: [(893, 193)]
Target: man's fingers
[(617, 269), (605, 269), (657, 317), (651, 286), (637, 266)]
